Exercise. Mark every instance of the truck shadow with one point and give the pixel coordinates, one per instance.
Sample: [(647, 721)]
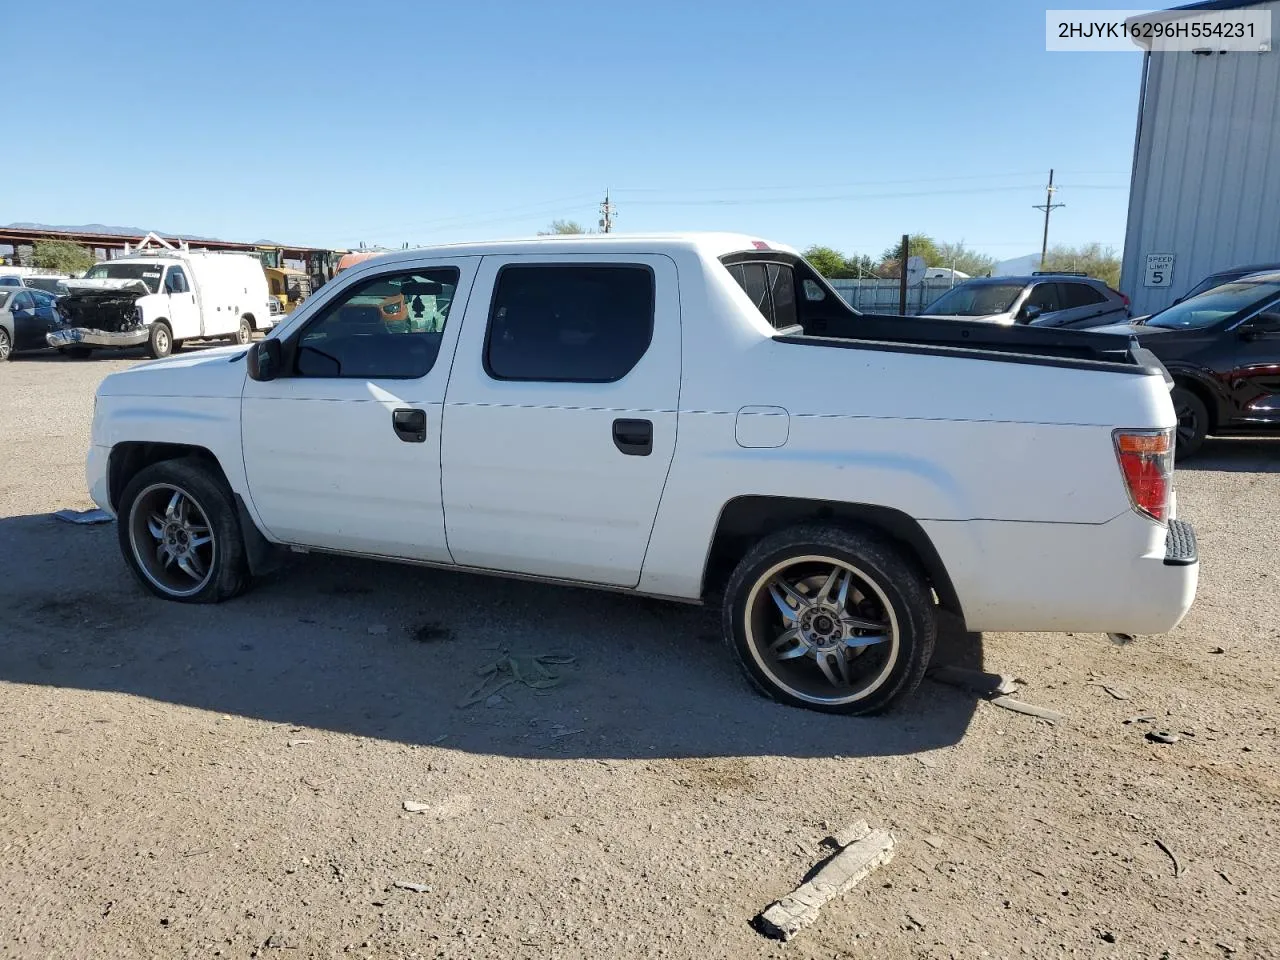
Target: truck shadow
[(399, 653), (1237, 455), (132, 353)]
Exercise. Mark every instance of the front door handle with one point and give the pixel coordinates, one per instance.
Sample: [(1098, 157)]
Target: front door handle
[(410, 425), (633, 437)]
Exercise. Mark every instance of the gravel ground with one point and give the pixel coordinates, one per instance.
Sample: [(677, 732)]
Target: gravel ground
[(230, 781)]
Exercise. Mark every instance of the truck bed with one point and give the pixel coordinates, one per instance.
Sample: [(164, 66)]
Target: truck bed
[(1016, 344)]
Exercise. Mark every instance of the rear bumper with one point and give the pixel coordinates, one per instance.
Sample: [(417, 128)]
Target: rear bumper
[(87, 337), (1129, 575)]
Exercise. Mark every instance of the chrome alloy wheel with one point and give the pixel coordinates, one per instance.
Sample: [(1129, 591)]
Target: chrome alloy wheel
[(822, 630), (172, 540)]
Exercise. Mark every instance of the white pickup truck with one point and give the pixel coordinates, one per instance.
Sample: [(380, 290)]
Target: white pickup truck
[(690, 417)]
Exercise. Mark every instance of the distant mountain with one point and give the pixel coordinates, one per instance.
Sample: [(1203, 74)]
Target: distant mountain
[(103, 228)]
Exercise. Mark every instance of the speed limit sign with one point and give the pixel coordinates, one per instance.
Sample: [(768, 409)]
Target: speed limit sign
[(1159, 270)]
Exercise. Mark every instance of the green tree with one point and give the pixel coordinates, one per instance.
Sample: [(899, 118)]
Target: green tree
[(826, 260), (922, 245), (563, 227), (1091, 258), (859, 265), (63, 256), (960, 257)]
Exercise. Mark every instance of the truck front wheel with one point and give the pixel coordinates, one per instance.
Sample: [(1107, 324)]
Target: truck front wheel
[(180, 535), (830, 619), (160, 342)]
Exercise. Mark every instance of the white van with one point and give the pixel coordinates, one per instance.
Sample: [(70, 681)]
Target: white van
[(161, 298)]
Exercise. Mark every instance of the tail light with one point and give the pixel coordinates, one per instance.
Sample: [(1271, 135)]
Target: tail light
[(1122, 296), (1146, 463)]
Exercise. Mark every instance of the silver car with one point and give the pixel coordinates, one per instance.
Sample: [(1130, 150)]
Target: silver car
[(1042, 300)]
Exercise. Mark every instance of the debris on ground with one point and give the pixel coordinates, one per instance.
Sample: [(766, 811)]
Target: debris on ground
[(1114, 692), (415, 806), (1120, 639), (1031, 710), (299, 743), (530, 670), (785, 918), (987, 684), (83, 517), (1139, 718), (1218, 650), (1162, 736), (414, 887), (1177, 867)]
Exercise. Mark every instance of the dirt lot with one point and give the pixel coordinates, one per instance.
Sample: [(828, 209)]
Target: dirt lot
[(230, 781)]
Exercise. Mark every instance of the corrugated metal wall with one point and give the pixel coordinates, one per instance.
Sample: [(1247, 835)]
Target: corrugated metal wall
[(1206, 184)]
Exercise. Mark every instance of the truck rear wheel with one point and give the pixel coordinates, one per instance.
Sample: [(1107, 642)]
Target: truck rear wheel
[(830, 619), (160, 342), (244, 333), (180, 535)]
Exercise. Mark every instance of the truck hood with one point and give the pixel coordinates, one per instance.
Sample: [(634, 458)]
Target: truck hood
[(106, 285), (218, 372)]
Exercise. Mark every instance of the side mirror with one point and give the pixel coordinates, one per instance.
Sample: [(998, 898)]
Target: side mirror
[(1265, 326), (265, 360), (1029, 312)]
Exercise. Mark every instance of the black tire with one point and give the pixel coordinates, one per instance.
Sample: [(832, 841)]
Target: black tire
[(160, 341), (1193, 422), (214, 571), (76, 353), (6, 345), (244, 333), (889, 661)]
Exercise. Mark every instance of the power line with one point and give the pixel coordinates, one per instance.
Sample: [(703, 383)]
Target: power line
[(859, 183)]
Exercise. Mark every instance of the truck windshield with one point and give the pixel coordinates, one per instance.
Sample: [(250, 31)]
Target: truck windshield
[(975, 300), (148, 273), (1217, 304)]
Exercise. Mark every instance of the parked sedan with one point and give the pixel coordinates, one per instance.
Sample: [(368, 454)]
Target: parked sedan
[(1222, 348), (26, 315), (1042, 299)]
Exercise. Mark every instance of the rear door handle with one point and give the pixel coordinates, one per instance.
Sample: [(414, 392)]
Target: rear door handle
[(633, 437), (410, 425)]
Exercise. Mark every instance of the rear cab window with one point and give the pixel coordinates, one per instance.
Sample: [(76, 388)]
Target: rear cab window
[(786, 291)]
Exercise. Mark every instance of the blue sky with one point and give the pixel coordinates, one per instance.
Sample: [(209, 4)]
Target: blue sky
[(387, 122)]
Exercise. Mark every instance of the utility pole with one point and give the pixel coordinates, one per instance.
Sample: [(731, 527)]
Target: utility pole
[(607, 211), (1048, 207), (902, 274)]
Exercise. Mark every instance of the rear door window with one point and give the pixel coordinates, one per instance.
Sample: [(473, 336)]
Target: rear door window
[(1079, 295), (575, 323)]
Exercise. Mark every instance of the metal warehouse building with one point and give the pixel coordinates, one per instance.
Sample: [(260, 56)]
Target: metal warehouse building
[(1205, 191)]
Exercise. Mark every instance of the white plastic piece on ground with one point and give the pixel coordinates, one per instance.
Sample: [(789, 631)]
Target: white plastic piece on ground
[(83, 517), (784, 919)]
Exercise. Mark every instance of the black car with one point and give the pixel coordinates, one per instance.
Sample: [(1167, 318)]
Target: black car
[(26, 315), (1222, 348), (1226, 276)]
